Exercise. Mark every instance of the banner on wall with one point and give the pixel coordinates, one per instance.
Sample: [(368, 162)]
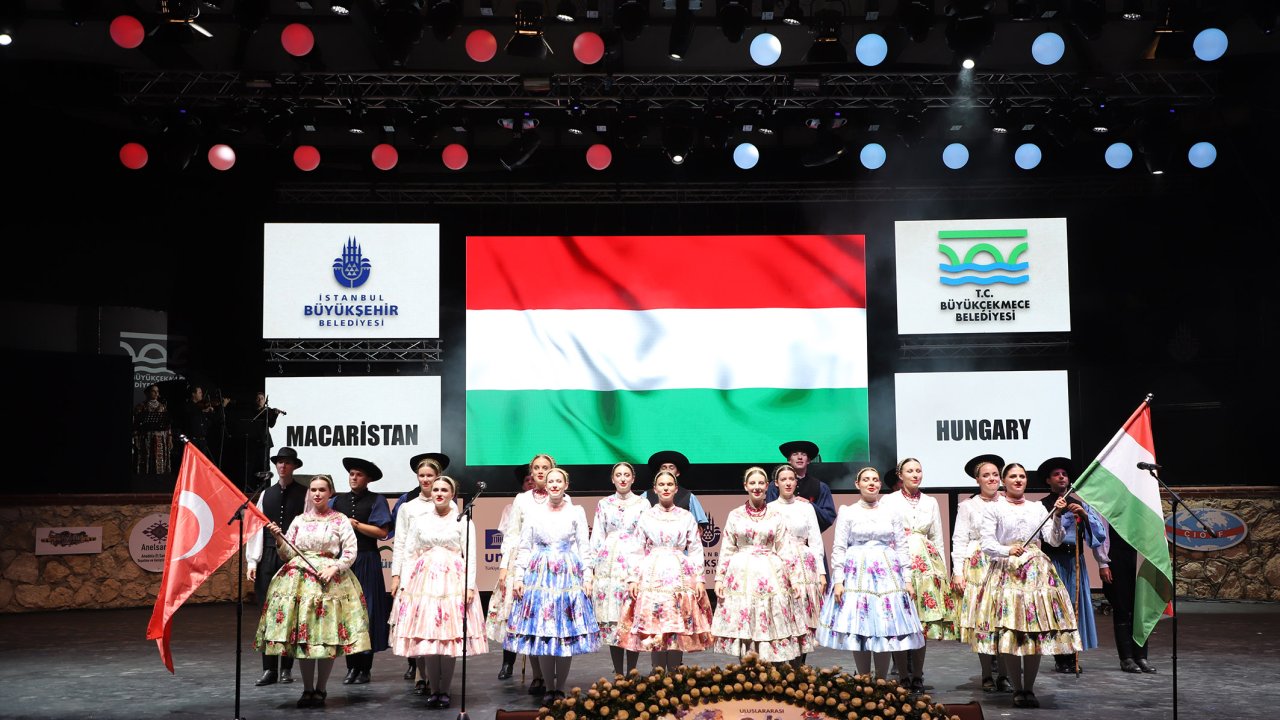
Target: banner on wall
[(386, 420), (641, 343), (351, 280), (144, 336), (945, 419), (982, 276)]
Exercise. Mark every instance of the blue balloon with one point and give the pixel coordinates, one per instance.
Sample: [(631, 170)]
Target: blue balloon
[(766, 49), (1210, 44), (1047, 49), (1119, 155), (955, 156), (871, 49), (873, 156), (746, 156), (1202, 154), (1027, 156)]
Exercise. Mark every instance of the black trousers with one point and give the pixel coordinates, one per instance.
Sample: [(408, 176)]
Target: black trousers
[(1119, 593), (268, 566)]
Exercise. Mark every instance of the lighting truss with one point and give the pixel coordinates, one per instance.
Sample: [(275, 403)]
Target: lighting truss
[(355, 351)]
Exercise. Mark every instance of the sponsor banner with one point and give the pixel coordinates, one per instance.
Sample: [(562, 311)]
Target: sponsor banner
[(148, 540), (351, 280), (68, 540), (944, 419), (982, 276), (385, 420), (1183, 529), (144, 336), (762, 709)]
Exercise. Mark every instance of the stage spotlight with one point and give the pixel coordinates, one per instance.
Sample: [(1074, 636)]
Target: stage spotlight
[(1001, 120), (424, 129), (681, 31), (527, 41), (826, 47), (1056, 121), (1265, 14), (970, 28), (1088, 17), (793, 15), (909, 123), (955, 156), (1210, 44), (399, 26), (1132, 10), (1155, 148), (1118, 155), (734, 16), (520, 149), (444, 16), (631, 17), (825, 150), (1202, 154), (567, 11), (355, 118), (916, 17), (678, 138)]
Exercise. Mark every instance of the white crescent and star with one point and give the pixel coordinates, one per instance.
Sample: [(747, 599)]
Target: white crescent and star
[(204, 517)]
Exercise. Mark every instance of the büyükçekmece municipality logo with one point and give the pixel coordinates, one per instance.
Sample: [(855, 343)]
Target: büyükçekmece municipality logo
[(1000, 270), (352, 268)]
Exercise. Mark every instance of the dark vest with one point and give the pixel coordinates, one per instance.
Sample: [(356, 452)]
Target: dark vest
[(281, 506), (359, 507), (1065, 550)]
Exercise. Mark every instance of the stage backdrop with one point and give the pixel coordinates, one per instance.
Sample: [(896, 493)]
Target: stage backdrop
[(944, 419), (983, 276), (383, 419), (617, 347), (351, 281)]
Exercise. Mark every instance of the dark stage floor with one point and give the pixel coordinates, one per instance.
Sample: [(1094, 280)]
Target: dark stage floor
[(96, 664)]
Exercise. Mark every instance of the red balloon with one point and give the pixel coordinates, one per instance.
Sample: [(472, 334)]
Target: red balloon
[(599, 156), (482, 45), (385, 156), (133, 156), (454, 156), (222, 157), (297, 39), (306, 158), (127, 32), (588, 48)]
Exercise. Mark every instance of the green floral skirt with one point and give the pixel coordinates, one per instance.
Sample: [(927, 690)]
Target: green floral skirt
[(305, 618)]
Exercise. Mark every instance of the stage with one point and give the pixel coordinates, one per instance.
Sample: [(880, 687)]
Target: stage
[(97, 664)]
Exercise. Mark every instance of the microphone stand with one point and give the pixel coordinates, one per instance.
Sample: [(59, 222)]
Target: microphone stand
[(467, 511), (1174, 501), (238, 517)]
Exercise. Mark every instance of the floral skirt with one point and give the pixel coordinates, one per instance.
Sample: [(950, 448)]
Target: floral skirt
[(426, 618), (669, 612), (931, 588), (806, 578), (758, 612), (875, 613), (1022, 608), (304, 618), (495, 619), (609, 590), (554, 615), (975, 569)]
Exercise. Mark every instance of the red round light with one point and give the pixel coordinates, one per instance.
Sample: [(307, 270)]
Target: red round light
[(222, 157), (127, 31), (588, 48), (599, 156), (306, 158), (385, 156), (481, 45), (454, 156), (133, 156), (297, 39)]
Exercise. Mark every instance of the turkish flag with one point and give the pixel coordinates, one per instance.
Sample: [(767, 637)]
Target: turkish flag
[(199, 539)]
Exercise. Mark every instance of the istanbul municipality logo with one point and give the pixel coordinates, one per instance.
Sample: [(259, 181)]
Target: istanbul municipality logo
[(352, 268)]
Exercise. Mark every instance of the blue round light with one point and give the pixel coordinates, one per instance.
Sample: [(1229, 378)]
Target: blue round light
[(1202, 154), (1027, 156), (746, 156), (955, 156), (766, 49), (873, 156), (1210, 44), (1047, 49), (871, 49), (1119, 155)]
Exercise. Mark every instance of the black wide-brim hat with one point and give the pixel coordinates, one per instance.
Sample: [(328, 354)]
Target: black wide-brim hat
[(971, 467), (441, 459), (287, 453), (803, 446), (1053, 463), (660, 458), (361, 464)]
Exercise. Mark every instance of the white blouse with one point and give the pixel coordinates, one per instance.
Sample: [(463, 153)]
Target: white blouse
[(447, 531), (521, 505), (1006, 524), (966, 534), (563, 531), (802, 520)]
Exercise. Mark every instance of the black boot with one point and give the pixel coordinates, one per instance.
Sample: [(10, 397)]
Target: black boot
[(268, 678)]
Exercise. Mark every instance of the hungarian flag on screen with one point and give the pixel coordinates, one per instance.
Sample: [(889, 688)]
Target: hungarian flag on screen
[(600, 349)]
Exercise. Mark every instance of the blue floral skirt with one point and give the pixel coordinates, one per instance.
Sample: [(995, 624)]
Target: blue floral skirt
[(553, 616)]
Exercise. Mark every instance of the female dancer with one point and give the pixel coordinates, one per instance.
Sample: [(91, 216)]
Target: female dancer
[(413, 505), (1022, 610), (438, 589), (314, 610), (969, 563), (551, 616), (868, 609), (500, 600), (667, 611), (930, 586), (614, 552), (805, 552), (756, 610)]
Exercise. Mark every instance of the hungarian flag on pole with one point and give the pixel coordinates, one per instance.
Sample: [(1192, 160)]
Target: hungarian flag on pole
[(1129, 499), (600, 349), (199, 540)]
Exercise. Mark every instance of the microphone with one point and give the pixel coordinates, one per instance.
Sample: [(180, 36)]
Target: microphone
[(1148, 466), (466, 509)]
